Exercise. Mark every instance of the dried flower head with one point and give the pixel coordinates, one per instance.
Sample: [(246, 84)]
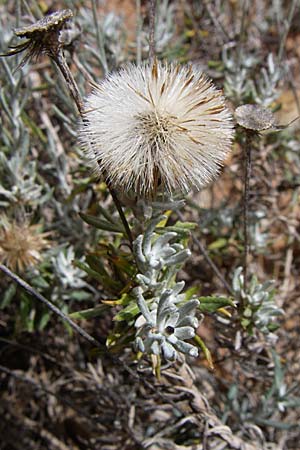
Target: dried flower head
[(159, 124), (21, 245), (42, 36), (255, 117)]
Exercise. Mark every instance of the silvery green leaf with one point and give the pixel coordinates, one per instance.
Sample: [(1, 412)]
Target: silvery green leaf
[(161, 241), (185, 332), (185, 347), (143, 305), (188, 308), (178, 258), (169, 351), (140, 344), (148, 236), (188, 321), (138, 250)]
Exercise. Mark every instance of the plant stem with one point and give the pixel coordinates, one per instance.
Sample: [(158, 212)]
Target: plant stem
[(138, 32), (208, 259), (100, 37), (287, 25), (121, 213), (152, 14), (212, 265), (60, 61), (247, 174), (50, 305), (222, 34)]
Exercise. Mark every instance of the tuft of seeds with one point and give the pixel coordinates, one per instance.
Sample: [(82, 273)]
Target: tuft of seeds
[(158, 126)]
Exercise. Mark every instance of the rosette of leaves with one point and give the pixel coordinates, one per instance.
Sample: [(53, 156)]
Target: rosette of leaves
[(260, 310), (165, 329)]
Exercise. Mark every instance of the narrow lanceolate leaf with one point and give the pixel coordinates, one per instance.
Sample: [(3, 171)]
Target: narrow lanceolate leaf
[(205, 350), (102, 224), (180, 228), (89, 313), (212, 304), (128, 313), (106, 281)]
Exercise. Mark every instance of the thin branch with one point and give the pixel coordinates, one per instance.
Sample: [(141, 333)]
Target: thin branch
[(121, 214), (60, 61), (247, 174), (138, 32), (209, 260), (36, 351), (40, 387), (51, 306), (66, 318), (222, 34), (287, 26), (152, 15), (212, 265), (100, 37)]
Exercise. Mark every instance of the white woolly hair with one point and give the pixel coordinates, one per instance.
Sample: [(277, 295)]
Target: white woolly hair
[(159, 125)]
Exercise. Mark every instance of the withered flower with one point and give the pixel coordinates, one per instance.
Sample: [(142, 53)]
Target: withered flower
[(21, 246), (42, 36), (255, 118)]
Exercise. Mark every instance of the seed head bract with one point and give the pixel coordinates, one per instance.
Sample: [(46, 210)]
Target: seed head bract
[(157, 126)]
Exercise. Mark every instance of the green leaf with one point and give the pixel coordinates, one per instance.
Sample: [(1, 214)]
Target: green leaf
[(104, 280), (128, 313), (95, 264), (89, 313), (8, 295), (27, 313), (44, 320), (245, 323), (218, 244), (106, 214), (212, 304), (34, 128), (80, 295), (189, 293), (206, 351), (181, 228), (40, 282), (102, 224)]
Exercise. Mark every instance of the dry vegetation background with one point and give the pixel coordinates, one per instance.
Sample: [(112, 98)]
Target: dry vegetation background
[(56, 391)]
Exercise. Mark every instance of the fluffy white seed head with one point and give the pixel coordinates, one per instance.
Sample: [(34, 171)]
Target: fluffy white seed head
[(157, 125)]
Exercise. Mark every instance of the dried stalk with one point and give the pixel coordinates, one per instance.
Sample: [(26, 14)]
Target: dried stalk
[(152, 15)]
